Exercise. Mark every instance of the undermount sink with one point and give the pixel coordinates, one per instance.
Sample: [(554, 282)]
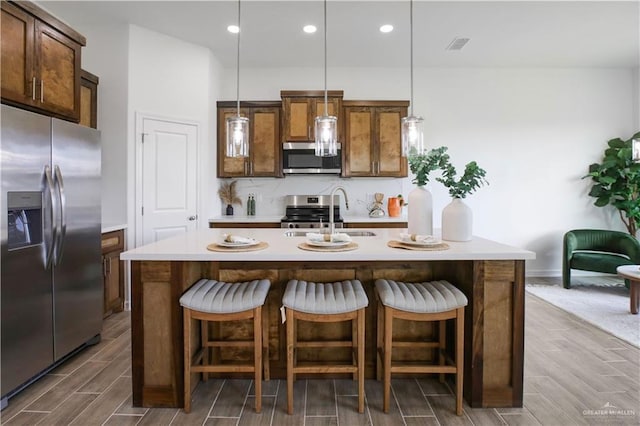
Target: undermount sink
[(353, 233)]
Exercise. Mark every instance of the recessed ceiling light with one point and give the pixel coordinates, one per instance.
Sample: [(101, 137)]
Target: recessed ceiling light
[(458, 43), (309, 29), (386, 28), (233, 29)]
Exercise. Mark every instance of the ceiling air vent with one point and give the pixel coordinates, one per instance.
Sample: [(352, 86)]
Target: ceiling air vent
[(457, 43)]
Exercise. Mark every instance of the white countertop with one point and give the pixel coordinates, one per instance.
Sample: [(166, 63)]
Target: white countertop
[(276, 219), (193, 246), (109, 227)]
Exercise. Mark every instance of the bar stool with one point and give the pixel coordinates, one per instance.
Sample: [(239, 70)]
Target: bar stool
[(211, 300), (325, 302), (427, 301)]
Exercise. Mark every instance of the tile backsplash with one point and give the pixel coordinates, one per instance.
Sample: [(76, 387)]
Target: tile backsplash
[(270, 193)]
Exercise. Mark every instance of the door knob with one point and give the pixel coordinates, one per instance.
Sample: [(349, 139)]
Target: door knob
[(193, 217)]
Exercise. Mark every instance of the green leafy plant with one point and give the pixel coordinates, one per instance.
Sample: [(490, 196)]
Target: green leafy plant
[(422, 165), (616, 181), (469, 182)]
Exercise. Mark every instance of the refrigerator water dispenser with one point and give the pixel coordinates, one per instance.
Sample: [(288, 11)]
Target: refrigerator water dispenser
[(24, 210)]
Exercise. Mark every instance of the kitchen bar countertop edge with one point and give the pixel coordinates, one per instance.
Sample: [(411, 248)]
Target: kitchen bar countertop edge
[(277, 219), (192, 246)]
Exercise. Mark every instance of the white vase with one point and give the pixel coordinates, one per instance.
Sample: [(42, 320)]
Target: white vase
[(420, 214), (457, 221)]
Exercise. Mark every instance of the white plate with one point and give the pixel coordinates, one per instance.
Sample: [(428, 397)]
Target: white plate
[(228, 244), (420, 243), (328, 243)]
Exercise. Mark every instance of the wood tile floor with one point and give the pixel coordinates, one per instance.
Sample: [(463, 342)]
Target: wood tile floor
[(574, 374)]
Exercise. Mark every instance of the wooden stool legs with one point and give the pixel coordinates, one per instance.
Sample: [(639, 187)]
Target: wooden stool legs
[(385, 344), (357, 344), (200, 362)]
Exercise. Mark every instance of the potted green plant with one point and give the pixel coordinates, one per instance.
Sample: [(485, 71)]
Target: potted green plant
[(420, 203), (616, 182), (229, 196), (457, 217)]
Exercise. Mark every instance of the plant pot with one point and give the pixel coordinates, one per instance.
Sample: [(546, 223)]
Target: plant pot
[(457, 221), (420, 213), (229, 210)]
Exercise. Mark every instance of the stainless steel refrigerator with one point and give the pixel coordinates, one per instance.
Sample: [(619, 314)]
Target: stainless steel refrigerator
[(51, 272)]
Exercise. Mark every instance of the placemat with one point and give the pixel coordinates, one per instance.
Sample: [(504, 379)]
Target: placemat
[(348, 247), (401, 245), (215, 247)]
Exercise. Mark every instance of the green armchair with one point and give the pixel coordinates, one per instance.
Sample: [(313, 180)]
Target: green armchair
[(597, 250)]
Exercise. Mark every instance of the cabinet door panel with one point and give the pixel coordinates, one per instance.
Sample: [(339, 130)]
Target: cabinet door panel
[(17, 54), (58, 65), (228, 166), (359, 133), (299, 113), (266, 142), (390, 158)]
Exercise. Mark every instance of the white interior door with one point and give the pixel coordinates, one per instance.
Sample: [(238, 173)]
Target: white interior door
[(169, 170)]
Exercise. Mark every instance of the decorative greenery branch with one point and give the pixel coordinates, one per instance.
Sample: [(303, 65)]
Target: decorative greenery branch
[(422, 165), (469, 182)]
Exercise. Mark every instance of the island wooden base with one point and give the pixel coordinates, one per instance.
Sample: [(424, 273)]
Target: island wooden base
[(494, 321)]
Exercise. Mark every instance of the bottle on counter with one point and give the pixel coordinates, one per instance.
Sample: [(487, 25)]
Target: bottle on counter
[(251, 205)]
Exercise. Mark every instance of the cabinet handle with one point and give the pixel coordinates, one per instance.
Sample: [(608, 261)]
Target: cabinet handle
[(104, 267), (42, 91), (308, 132), (33, 89), (251, 168)]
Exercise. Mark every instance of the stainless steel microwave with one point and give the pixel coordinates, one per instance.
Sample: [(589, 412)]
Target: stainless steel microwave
[(299, 158)]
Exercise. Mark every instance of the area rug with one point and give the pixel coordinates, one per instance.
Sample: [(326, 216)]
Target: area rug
[(601, 301)]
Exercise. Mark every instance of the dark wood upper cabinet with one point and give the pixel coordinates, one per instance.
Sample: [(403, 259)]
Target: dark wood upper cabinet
[(373, 142), (300, 108), (264, 140), (89, 99), (41, 59)]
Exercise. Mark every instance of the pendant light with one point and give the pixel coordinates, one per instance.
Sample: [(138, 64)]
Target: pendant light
[(238, 127), (412, 134), (326, 126), (635, 150)]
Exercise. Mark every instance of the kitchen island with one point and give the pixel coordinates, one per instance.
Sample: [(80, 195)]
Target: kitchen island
[(489, 273)]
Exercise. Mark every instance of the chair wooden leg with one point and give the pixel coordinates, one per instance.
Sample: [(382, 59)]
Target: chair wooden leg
[(257, 353), (459, 358), (442, 345), (360, 344), (187, 359), (354, 345), (379, 338), (290, 354), (265, 344), (388, 331), (204, 338)]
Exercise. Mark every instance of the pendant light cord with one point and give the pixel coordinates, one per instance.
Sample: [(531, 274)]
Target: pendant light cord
[(326, 110), (238, 65), (411, 49)]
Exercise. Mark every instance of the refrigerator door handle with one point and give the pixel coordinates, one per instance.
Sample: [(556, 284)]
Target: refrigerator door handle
[(53, 218), (63, 220)]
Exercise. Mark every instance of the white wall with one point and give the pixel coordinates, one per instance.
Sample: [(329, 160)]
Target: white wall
[(173, 79), (105, 55), (535, 131)]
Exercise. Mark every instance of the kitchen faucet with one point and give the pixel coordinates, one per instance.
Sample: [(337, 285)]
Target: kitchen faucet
[(346, 204)]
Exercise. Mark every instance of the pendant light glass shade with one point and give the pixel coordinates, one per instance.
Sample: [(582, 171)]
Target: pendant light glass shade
[(238, 127), (326, 130), (635, 150), (237, 137), (326, 126), (412, 136), (412, 131)]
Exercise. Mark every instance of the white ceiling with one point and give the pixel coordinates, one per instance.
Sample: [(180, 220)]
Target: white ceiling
[(503, 33)]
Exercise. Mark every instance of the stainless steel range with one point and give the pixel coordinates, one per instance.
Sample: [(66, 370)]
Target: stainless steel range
[(311, 211)]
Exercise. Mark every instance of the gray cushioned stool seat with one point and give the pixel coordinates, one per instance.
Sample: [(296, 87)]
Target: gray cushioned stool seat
[(218, 297), (426, 297), (325, 298)]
